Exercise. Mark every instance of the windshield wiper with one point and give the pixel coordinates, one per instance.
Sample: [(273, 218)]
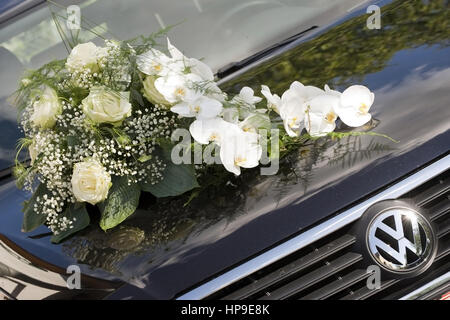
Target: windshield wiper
[(235, 66)]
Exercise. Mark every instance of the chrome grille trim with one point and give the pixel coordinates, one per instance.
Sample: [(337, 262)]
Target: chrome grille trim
[(427, 288), (333, 224)]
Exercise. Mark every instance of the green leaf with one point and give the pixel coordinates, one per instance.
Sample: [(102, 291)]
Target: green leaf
[(136, 96), (78, 214), (122, 202), (31, 218), (144, 158), (177, 179)]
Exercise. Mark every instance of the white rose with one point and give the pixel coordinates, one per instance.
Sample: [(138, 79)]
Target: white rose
[(102, 105), (83, 56), (46, 109), (90, 181)]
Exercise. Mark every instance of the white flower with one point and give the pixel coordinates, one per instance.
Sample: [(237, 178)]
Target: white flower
[(104, 105), (175, 87), (46, 109), (210, 130), (155, 63), (231, 115), (355, 103), (332, 92), (292, 108), (90, 181), (254, 122), (273, 100), (83, 56), (201, 107), (320, 116), (212, 90), (25, 82), (195, 66), (240, 149), (247, 95), (150, 92), (307, 92)]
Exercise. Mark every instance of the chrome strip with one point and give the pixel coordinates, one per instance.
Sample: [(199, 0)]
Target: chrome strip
[(315, 233), (427, 288)]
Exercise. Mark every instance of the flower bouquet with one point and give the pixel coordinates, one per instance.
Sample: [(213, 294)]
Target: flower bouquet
[(111, 122)]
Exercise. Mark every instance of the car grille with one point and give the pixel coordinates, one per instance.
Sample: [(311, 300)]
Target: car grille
[(333, 268)]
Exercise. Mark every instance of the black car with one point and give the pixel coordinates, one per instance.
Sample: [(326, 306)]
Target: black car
[(363, 217)]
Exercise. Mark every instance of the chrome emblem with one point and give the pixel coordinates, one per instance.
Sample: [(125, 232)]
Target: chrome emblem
[(400, 239)]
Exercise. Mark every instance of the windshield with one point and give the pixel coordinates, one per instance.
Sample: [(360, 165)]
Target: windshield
[(218, 31)]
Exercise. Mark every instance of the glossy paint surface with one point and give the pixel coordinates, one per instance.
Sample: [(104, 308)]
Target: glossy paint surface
[(165, 248)]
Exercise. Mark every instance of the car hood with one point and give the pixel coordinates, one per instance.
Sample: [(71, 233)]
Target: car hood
[(168, 247)]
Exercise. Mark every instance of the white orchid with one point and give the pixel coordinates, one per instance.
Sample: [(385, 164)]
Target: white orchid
[(320, 116), (306, 92), (355, 103), (273, 100), (201, 107), (194, 66), (212, 90), (231, 115), (155, 63), (254, 122), (246, 96), (239, 150), (293, 106), (210, 130), (176, 87), (247, 125), (292, 110), (331, 91)]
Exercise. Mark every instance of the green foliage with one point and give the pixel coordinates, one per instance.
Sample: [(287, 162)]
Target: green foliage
[(20, 173), (79, 216), (177, 180), (340, 135), (122, 201), (33, 219)]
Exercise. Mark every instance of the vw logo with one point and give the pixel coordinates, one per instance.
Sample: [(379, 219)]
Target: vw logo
[(400, 239)]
